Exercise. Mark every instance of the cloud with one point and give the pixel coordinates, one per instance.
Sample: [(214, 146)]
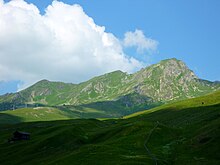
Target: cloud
[(64, 44), (139, 40)]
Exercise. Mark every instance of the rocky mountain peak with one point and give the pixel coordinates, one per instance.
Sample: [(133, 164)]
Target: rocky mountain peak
[(167, 80), (166, 69), (176, 68)]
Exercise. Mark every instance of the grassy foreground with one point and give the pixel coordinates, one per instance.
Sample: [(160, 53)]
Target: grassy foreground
[(186, 132)]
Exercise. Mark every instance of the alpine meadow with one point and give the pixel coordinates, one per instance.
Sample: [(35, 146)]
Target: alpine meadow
[(109, 83)]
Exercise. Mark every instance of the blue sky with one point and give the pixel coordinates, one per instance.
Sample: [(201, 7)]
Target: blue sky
[(188, 30)]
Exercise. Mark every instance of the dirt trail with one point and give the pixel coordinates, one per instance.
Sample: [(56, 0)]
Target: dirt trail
[(146, 141)]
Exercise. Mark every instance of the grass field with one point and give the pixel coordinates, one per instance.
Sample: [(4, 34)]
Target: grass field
[(32, 114), (186, 132)]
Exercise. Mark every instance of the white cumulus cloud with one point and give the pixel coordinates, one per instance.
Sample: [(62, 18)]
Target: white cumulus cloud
[(64, 44), (139, 40)]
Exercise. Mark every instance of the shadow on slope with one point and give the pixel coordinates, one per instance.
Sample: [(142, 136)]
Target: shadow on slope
[(182, 137), (182, 117), (194, 134), (7, 118), (122, 106)]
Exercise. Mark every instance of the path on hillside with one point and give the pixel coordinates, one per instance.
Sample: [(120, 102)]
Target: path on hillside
[(153, 157)]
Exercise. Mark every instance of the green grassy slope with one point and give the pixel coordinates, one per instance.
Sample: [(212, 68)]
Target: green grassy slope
[(34, 114), (180, 133), (62, 113), (199, 102), (49, 114)]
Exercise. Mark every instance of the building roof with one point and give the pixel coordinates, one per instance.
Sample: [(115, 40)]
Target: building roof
[(23, 133)]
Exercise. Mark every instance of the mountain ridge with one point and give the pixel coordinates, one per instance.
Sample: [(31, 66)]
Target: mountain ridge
[(168, 80)]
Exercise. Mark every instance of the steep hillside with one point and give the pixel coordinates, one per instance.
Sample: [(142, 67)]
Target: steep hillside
[(199, 102), (169, 80), (187, 132)]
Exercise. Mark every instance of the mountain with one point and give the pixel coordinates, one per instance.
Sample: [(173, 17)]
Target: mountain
[(116, 93), (184, 132)]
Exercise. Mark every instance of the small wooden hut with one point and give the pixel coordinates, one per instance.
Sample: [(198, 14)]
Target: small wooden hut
[(18, 135)]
